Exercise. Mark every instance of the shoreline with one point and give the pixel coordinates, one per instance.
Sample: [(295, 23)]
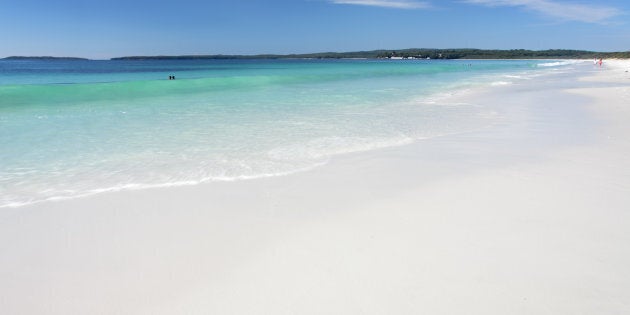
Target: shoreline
[(525, 216), (453, 95)]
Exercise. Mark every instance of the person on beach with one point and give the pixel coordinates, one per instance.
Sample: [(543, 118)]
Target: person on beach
[(600, 62)]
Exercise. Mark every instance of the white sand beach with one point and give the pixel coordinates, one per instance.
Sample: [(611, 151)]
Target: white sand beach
[(528, 216)]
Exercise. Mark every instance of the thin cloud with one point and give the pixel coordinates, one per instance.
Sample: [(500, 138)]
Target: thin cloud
[(560, 10), (396, 4)]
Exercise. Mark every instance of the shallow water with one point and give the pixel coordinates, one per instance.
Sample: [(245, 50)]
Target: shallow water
[(73, 128)]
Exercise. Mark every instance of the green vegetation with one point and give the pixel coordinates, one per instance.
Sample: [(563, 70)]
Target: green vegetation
[(325, 55), (414, 53), (422, 53), (503, 54)]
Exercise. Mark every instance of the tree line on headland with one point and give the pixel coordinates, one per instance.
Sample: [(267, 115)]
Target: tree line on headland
[(413, 53), (422, 53)]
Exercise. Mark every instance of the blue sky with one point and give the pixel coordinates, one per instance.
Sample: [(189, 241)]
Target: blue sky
[(109, 28)]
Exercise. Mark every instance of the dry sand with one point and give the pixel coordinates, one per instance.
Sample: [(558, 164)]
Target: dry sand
[(528, 216)]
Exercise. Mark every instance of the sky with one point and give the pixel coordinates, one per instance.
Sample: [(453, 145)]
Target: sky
[(101, 29)]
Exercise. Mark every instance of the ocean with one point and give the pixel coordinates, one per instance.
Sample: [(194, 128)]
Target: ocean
[(76, 128)]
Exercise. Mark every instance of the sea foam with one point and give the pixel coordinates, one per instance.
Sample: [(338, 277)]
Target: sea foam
[(560, 63)]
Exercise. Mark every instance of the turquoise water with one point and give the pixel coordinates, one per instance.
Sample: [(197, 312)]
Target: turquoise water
[(74, 128)]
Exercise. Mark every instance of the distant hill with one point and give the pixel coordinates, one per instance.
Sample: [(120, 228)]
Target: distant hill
[(423, 53), (42, 58)]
